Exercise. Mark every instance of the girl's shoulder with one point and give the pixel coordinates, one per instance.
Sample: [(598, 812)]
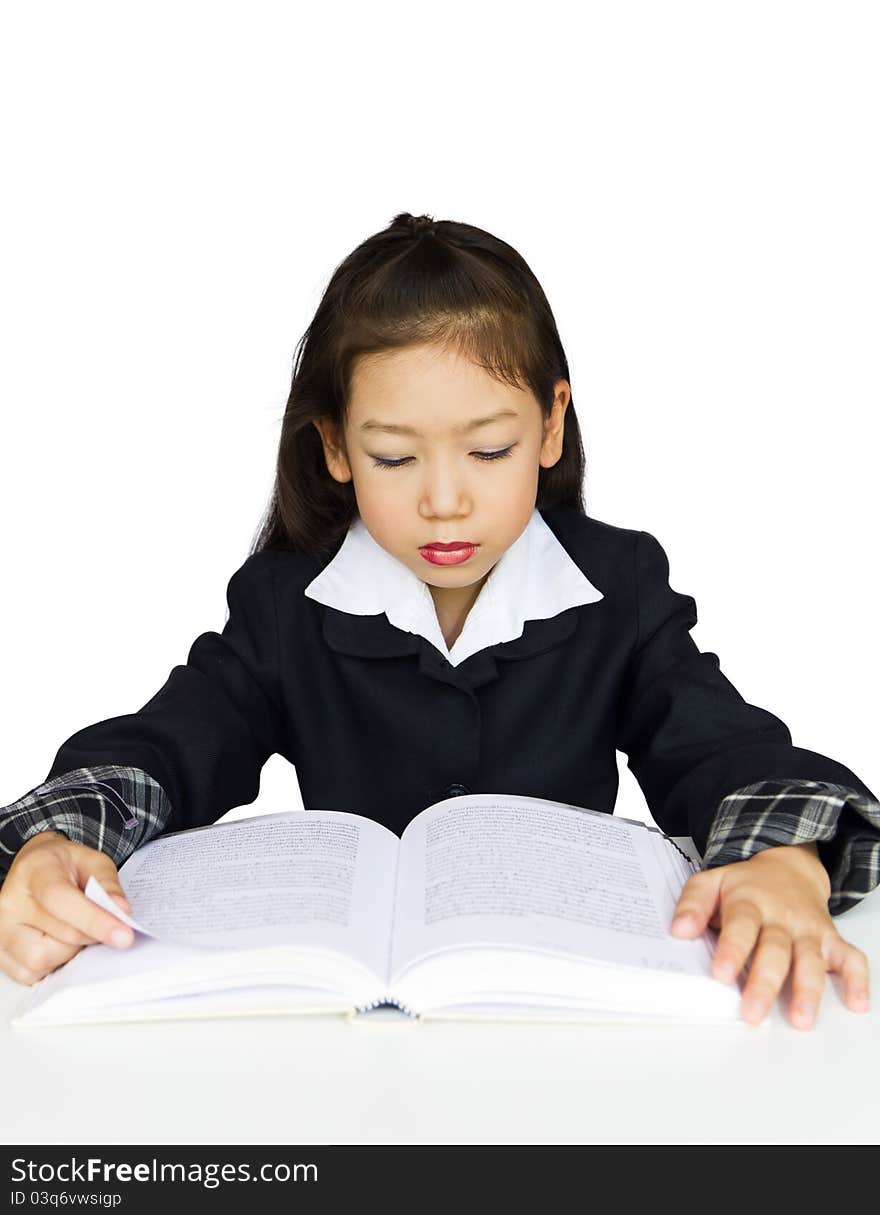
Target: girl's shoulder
[(287, 564), (588, 536), (604, 552)]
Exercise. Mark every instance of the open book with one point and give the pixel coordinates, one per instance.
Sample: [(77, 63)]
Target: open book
[(487, 906)]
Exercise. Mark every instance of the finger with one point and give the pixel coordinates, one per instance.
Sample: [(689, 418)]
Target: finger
[(769, 969), (740, 925), (36, 952), (852, 964), (16, 970), (66, 902), (696, 903), (808, 981)]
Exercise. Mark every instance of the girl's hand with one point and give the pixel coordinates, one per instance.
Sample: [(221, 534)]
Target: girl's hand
[(44, 916), (777, 903)]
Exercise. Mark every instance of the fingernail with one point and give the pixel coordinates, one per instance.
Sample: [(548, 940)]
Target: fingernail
[(724, 971), (804, 1011), (120, 936), (682, 923), (753, 1010)]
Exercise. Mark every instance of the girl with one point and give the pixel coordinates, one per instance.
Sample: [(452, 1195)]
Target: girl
[(427, 611)]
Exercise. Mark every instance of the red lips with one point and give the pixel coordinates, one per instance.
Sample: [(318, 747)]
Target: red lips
[(448, 548)]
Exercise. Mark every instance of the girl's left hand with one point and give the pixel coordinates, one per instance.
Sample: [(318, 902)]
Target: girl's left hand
[(776, 903)]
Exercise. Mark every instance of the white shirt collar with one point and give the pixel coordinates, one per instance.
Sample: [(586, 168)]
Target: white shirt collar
[(533, 579)]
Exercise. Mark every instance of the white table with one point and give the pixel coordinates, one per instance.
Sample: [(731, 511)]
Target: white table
[(311, 1080)]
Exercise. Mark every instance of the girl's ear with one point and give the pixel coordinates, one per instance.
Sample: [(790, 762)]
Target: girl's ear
[(551, 447), (334, 449)]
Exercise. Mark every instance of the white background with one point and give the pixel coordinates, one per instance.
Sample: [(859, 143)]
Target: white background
[(694, 184)]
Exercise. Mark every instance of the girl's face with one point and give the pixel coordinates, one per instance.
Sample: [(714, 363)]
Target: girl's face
[(423, 456)]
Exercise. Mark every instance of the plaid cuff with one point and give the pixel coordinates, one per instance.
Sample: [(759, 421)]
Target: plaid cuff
[(775, 812), (111, 808)]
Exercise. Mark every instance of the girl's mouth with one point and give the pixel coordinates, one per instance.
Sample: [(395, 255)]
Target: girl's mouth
[(450, 556)]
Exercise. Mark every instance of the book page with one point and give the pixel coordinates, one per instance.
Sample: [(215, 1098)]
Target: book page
[(150, 974), (318, 878), (494, 870)]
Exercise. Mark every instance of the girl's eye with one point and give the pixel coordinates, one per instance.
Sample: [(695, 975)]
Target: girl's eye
[(378, 462)]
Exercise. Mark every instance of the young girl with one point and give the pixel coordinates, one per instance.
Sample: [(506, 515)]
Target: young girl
[(429, 611)]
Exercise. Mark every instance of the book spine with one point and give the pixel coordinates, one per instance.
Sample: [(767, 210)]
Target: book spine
[(385, 1000)]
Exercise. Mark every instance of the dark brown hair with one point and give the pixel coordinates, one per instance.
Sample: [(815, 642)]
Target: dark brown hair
[(418, 280)]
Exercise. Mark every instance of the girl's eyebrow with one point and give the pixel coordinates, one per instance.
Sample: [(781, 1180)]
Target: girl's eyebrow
[(393, 429)]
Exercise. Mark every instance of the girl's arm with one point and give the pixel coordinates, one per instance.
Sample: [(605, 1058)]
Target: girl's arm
[(726, 772)]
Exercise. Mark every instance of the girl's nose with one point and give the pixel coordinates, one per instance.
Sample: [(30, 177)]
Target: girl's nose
[(444, 491)]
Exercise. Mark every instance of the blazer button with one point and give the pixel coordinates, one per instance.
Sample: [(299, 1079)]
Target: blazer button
[(456, 791)]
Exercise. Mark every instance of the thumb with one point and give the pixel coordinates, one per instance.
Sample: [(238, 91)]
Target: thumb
[(120, 898), (97, 864), (697, 903)]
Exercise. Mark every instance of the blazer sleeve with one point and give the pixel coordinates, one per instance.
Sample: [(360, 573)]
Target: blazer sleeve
[(206, 734), (110, 808), (691, 740), (843, 823)]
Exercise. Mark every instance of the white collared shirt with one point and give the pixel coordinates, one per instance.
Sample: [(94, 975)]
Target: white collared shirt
[(533, 579)]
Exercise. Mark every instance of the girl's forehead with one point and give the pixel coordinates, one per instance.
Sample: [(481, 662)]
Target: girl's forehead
[(420, 381)]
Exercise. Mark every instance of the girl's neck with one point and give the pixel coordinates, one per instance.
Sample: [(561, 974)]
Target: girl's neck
[(453, 605)]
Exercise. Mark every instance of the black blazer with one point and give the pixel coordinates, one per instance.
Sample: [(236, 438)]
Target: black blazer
[(376, 721)]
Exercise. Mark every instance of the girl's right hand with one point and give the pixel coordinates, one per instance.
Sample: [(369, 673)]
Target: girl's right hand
[(45, 918)]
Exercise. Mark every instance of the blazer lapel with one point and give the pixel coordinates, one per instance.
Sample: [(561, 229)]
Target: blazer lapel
[(375, 637), (366, 636)]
